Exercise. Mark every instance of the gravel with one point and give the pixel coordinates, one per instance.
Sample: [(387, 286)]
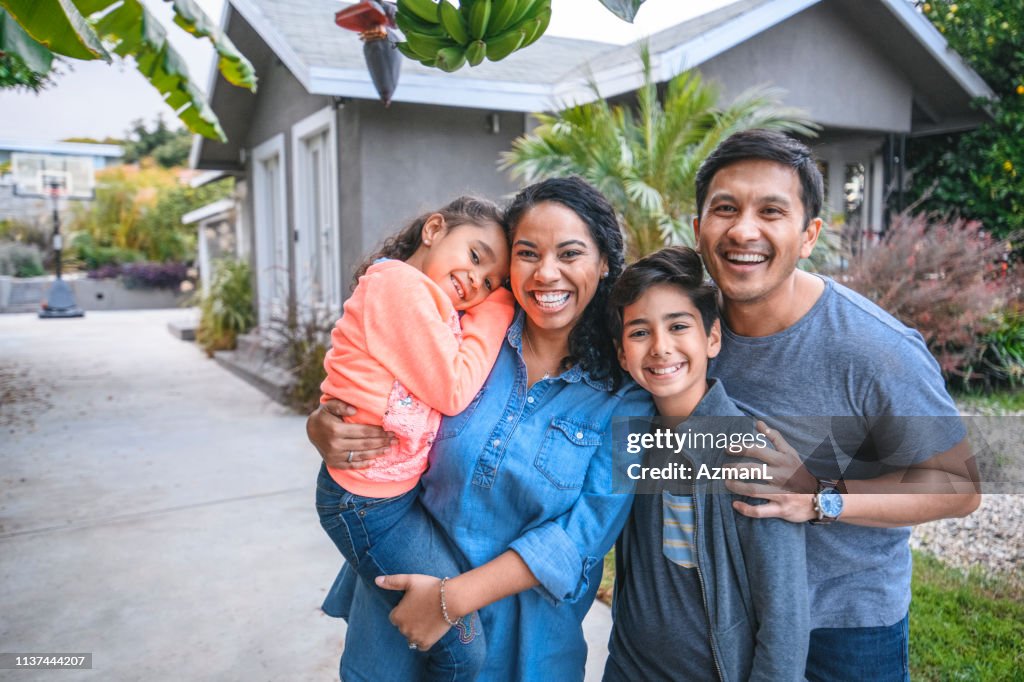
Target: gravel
[(991, 539)]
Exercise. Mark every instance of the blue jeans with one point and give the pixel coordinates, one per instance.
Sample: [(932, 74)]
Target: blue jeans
[(879, 654), (388, 536)]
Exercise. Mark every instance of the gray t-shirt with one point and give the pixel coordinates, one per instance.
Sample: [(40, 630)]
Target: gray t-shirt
[(857, 394)]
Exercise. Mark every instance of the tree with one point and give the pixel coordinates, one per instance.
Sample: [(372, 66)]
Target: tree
[(644, 158), (978, 174), (168, 147), (34, 31)]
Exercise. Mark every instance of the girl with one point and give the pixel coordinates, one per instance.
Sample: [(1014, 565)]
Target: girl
[(401, 357)]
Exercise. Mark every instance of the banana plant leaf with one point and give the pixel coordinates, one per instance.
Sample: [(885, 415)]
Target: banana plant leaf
[(14, 40), (623, 9), (235, 68), (134, 32), (130, 31), (59, 26)]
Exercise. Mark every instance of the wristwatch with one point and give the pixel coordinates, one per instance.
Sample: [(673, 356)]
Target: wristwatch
[(828, 502)]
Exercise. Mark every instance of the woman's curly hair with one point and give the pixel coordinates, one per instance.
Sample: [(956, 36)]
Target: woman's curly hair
[(590, 344), (462, 211)]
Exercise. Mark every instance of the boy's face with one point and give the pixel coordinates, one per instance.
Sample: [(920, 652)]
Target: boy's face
[(666, 349)]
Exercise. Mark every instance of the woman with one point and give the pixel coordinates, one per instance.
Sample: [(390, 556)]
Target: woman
[(520, 482)]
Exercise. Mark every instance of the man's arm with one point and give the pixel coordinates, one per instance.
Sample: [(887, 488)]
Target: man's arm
[(335, 439), (943, 486)]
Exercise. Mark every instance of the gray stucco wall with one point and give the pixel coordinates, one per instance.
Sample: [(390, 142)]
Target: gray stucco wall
[(280, 103), (399, 162), (826, 67)]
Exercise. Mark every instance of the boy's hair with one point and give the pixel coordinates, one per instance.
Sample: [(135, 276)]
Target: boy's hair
[(678, 266), (465, 209), (765, 145)]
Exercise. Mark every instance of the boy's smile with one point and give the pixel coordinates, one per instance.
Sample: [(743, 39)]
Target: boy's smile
[(666, 349)]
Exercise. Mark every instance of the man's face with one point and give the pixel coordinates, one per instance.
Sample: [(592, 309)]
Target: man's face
[(752, 232)]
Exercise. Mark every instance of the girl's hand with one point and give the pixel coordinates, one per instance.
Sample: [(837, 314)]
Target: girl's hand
[(343, 445), (418, 616)]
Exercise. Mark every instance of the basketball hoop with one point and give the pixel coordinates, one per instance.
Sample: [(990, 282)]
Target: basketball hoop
[(61, 300), (34, 175)]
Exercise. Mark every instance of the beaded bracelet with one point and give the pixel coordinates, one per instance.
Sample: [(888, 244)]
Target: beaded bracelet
[(444, 607)]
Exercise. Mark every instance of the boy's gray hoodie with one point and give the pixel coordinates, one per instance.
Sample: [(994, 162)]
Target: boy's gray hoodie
[(752, 572)]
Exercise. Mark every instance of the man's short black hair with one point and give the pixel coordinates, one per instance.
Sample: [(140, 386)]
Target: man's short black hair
[(678, 266), (766, 145)]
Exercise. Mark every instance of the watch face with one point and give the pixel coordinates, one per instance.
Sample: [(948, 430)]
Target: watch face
[(831, 503)]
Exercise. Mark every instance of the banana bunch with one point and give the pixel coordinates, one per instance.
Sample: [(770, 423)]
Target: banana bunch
[(441, 35)]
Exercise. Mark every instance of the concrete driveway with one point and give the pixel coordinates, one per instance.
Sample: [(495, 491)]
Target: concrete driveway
[(157, 512)]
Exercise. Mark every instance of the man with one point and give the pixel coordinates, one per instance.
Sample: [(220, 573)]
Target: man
[(853, 390)]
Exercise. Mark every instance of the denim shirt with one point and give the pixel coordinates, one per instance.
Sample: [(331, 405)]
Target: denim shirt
[(530, 469)]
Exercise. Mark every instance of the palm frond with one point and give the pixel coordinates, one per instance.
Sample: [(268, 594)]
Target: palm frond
[(645, 158)]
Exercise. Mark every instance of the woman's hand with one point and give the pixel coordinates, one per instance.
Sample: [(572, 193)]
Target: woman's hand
[(343, 445), (418, 616)]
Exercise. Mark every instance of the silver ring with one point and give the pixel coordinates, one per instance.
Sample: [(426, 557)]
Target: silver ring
[(350, 453), (413, 646)]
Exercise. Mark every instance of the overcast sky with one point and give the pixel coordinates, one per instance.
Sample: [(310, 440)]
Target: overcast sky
[(95, 99)]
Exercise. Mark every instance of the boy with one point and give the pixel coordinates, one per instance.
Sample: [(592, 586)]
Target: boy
[(702, 593)]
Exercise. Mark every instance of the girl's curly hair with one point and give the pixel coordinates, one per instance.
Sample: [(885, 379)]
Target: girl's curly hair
[(464, 210), (590, 344)]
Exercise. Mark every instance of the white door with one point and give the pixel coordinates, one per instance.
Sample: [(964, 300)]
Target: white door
[(271, 225), (317, 244)]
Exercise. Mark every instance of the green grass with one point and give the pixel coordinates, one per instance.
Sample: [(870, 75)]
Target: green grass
[(999, 401), (963, 626)]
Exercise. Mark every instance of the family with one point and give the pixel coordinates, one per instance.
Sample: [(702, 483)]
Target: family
[(470, 465)]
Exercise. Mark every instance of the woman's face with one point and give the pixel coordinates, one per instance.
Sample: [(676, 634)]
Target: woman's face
[(556, 266)]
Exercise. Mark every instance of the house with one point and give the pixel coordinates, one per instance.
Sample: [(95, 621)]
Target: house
[(327, 171), (28, 167)]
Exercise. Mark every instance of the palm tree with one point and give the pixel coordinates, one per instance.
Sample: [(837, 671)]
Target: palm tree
[(645, 158)]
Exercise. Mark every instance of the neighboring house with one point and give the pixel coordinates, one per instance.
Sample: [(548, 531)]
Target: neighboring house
[(26, 168), (327, 172)]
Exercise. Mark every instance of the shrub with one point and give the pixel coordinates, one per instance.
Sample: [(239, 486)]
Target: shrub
[(104, 258), (144, 275), (154, 275), (139, 211), (12, 230), (1003, 359), (20, 260), (226, 310), (299, 345), (938, 278)]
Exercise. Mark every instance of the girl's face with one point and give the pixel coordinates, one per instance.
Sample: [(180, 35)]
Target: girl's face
[(467, 261), (556, 266)]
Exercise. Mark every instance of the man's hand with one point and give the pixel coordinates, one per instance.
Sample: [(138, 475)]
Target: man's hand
[(343, 445), (789, 489), (418, 616)]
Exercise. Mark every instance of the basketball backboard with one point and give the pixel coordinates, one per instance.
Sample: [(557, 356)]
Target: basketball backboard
[(34, 175)]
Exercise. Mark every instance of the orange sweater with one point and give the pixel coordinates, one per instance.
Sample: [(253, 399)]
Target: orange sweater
[(396, 356)]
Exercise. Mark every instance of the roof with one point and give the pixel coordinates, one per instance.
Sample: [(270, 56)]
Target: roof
[(203, 212), (65, 148), (554, 71), (328, 60)]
